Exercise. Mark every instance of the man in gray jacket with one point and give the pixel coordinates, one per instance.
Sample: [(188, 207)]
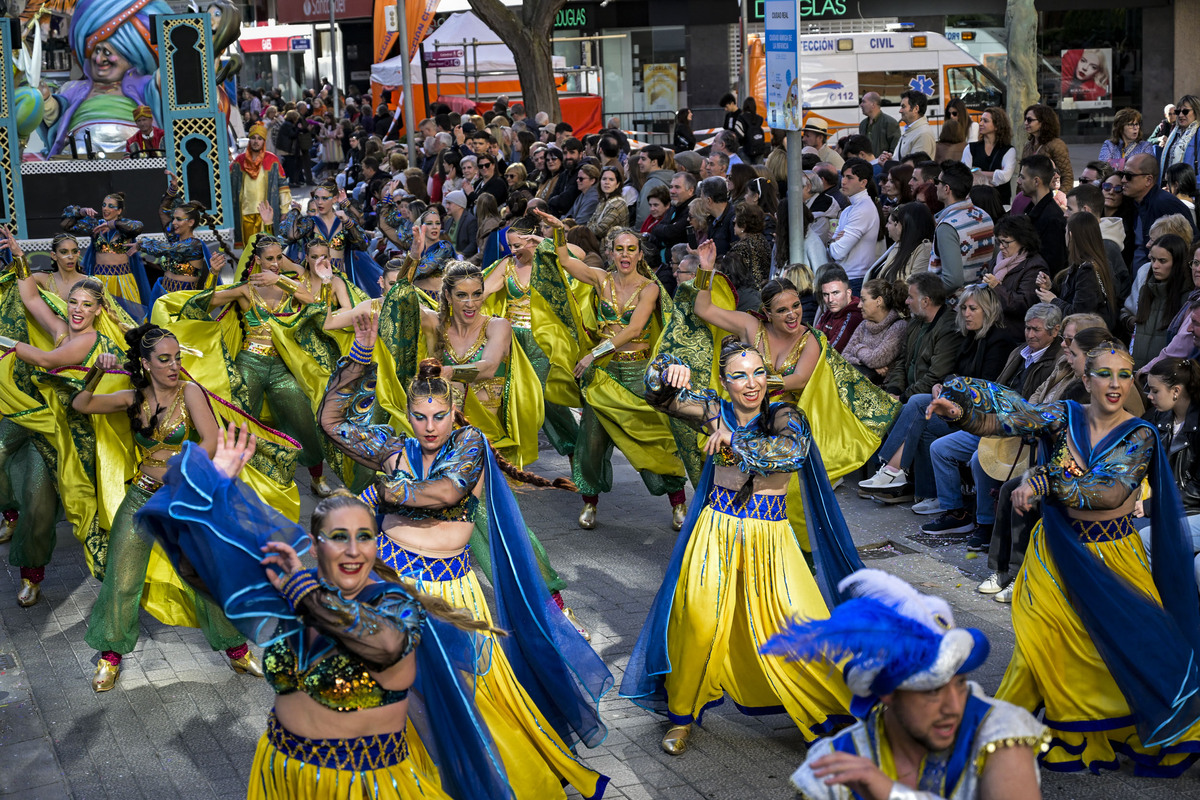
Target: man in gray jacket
[(466, 228), (650, 161)]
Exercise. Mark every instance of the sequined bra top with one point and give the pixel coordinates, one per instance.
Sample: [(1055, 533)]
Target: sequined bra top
[(518, 312), (462, 511), (613, 320), (340, 681), (163, 438), (255, 320)]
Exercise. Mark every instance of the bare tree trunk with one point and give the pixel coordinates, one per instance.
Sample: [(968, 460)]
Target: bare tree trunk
[(1020, 22), (527, 33)]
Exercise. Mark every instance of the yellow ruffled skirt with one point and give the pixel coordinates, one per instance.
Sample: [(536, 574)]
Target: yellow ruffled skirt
[(1055, 663), (741, 579), (536, 760), (393, 767), (119, 281)]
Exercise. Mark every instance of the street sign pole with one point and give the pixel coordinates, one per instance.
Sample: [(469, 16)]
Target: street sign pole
[(785, 95), (333, 58), (409, 119)]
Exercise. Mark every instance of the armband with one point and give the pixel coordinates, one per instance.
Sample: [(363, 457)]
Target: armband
[(21, 267), (370, 496), (359, 354), (465, 373), (7, 343), (703, 279), (93, 378), (560, 237), (298, 586), (775, 383), (603, 349), (288, 285), (1039, 480)]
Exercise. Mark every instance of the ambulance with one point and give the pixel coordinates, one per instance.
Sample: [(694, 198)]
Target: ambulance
[(836, 70)]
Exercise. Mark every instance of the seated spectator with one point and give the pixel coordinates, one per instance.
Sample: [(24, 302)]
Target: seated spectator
[(985, 347), (1160, 297), (685, 270), (587, 179), (931, 342), (1036, 180), (659, 202), (487, 221), (1090, 198), (1182, 329), (840, 314), (895, 191), (1086, 285), (752, 246), (1013, 273), (1173, 386), (612, 212), (1009, 535), (922, 184), (853, 246), (876, 342), (1181, 181), (964, 240), (715, 205), (911, 227), (749, 296), (1026, 369)]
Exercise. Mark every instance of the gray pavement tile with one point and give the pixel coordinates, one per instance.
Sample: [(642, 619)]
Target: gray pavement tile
[(28, 765)]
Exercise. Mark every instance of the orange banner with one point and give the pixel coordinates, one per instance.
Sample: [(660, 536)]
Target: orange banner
[(420, 21)]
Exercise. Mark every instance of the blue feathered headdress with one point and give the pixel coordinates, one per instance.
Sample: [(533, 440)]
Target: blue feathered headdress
[(891, 635)]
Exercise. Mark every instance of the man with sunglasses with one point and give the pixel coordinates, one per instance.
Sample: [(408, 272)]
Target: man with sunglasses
[(1181, 145), (1140, 178)]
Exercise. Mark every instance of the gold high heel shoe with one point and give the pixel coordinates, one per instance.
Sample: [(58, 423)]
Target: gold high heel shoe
[(675, 742), (246, 665), (678, 516), (570, 615), (321, 487), (30, 593), (105, 676), (587, 517)]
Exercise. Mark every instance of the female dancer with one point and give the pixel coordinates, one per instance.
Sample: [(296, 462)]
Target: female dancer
[(64, 252), (185, 260), (1085, 604), (344, 642), (737, 572), (112, 256), (328, 221), (34, 434), (626, 297), (509, 295), (315, 272), (262, 297), (164, 412), (543, 682), (428, 256)]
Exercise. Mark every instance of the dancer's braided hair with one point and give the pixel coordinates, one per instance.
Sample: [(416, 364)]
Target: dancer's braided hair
[(197, 212), (430, 383)]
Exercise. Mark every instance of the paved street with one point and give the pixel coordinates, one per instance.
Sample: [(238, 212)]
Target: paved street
[(180, 723)]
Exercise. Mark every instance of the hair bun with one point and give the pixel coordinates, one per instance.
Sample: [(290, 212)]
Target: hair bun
[(428, 369)]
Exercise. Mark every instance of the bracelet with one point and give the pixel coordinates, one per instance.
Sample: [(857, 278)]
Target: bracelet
[(288, 285), (464, 373), (359, 354), (775, 382), (1039, 480), (298, 586), (93, 378), (21, 267), (560, 237), (7, 343), (370, 496), (603, 349), (703, 279)]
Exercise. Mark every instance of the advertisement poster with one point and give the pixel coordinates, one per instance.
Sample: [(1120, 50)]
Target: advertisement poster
[(1086, 81), (660, 82), (781, 23)]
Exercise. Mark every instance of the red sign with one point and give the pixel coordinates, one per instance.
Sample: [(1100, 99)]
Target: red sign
[(444, 58), (293, 11), (270, 44)]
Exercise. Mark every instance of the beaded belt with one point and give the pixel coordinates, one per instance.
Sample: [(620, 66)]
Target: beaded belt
[(521, 320), (111, 269), (629, 355), (770, 507), (170, 284), (1109, 530), (258, 348), (424, 568), (146, 483), (360, 754)]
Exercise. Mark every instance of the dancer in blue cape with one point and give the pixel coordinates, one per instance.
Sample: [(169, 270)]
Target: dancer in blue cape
[(372, 677), (329, 222), (542, 689), (737, 572)]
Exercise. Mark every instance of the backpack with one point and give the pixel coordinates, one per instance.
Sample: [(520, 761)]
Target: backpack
[(756, 141)]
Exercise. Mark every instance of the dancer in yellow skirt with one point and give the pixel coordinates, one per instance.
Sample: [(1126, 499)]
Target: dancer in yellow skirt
[(112, 257), (541, 689), (350, 648), (1107, 645), (737, 573)]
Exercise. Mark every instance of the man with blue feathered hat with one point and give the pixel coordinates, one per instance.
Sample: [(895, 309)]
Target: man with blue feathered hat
[(924, 731)]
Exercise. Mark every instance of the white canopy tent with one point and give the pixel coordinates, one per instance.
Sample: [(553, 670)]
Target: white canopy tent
[(489, 58)]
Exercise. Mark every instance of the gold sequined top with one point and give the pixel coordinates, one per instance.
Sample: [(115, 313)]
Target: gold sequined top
[(518, 311), (339, 681)]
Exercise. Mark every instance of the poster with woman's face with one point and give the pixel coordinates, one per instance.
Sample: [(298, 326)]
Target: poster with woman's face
[(1086, 81)]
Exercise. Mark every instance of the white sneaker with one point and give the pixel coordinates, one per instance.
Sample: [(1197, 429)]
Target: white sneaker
[(991, 585), (1004, 595), (928, 507), (885, 479)]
